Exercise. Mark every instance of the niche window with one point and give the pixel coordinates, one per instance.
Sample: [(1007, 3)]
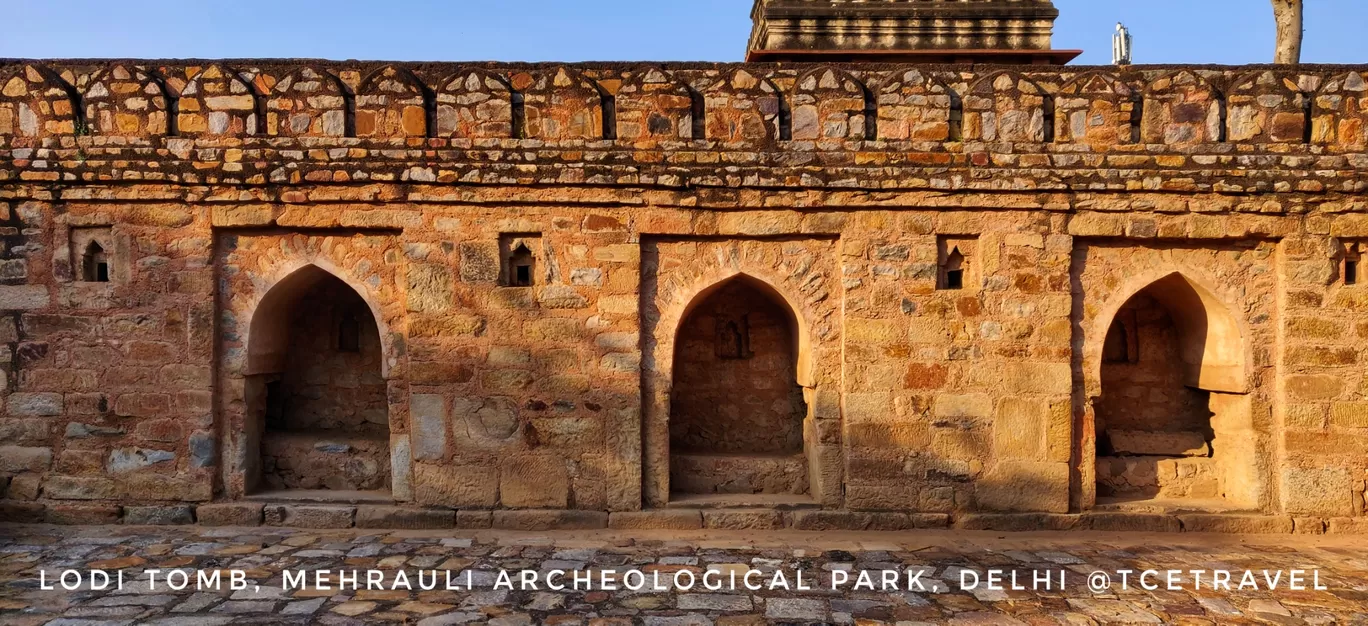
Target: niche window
[(1352, 257), (95, 264), (91, 258), (349, 334), (956, 263), (518, 253), (733, 338)]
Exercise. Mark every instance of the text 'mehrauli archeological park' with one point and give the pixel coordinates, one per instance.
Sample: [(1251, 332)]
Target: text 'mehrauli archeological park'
[(904, 267)]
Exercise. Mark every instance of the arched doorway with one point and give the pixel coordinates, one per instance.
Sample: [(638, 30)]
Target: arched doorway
[(736, 407), (315, 393), (1173, 422)]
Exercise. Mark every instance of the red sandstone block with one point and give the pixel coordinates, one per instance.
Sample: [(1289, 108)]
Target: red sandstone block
[(88, 514), (397, 517)]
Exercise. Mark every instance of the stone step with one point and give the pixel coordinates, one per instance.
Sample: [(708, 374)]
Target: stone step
[(325, 496), (741, 501)]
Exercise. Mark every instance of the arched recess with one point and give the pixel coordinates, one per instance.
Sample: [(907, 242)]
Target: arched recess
[(392, 103), (36, 102), (316, 412), (127, 101), (1171, 404), (1267, 107), (654, 109), (474, 104), (916, 106), (311, 102), (216, 101), (1007, 107), (1183, 108), (737, 413), (743, 109), (830, 104), (1097, 109), (1340, 115)]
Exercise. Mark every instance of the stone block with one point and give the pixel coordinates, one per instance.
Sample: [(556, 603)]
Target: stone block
[(24, 297), (230, 514), (1024, 486), (82, 514), (25, 459), (667, 519), (1347, 526), (309, 515), (159, 515), (1153, 443), (1017, 522), (34, 404), (22, 512), (1236, 524), (973, 405), (742, 519), (396, 517), (455, 486), (429, 414), (1130, 522), (1020, 428), (534, 482), (549, 520), (430, 288), (80, 488), (474, 519)]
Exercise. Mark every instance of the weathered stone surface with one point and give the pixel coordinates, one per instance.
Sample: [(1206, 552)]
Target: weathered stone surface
[(390, 517), (159, 515), (656, 520), (455, 486), (230, 514), (309, 515), (549, 520)]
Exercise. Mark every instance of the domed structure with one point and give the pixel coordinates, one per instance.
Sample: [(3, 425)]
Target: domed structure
[(929, 31)]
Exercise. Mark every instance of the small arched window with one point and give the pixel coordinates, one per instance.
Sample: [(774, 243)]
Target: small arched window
[(952, 275), (95, 264), (520, 265)]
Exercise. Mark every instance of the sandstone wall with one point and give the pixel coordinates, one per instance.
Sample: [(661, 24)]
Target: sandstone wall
[(636, 188)]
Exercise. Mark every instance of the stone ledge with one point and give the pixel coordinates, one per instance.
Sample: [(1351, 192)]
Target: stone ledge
[(1130, 522), (742, 519), (230, 514), (309, 515), (1237, 524), (398, 517), (386, 517), (540, 519), (680, 519), (177, 515), (1017, 522)]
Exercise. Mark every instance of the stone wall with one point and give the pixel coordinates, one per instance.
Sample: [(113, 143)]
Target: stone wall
[(223, 192)]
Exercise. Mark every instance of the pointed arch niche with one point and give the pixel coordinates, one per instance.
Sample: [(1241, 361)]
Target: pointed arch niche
[(316, 415), (736, 402), (1173, 425), (740, 367)]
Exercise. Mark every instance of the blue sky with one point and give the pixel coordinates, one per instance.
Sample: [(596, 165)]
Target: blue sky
[(1166, 31)]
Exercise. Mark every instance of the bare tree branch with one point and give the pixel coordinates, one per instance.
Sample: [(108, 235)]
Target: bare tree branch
[(1288, 15)]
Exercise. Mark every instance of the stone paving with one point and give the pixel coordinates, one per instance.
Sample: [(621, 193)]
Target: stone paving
[(32, 556)]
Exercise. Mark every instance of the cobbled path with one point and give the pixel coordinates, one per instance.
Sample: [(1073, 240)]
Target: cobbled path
[(262, 554)]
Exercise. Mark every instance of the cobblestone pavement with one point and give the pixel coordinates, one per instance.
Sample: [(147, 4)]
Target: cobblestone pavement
[(263, 554)]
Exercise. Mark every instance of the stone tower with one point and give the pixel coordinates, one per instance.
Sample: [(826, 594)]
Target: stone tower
[(928, 31)]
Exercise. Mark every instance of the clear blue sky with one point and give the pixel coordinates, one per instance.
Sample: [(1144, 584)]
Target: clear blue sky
[(1166, 31)]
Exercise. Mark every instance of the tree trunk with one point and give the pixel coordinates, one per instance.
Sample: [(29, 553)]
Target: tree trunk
[(1288, 16)]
